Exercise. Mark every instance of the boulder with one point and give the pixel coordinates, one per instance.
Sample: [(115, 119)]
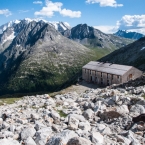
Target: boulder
[(62, 137), (85, 126), (97, 138), (123, 109), (9, 142), (73, 123), (79, 141), (28, 132), (88, 114), (43, 135), (29, 141), (137, 109)]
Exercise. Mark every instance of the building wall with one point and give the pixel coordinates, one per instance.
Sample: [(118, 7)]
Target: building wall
[(100, 77), (108, 79), (134, 72)]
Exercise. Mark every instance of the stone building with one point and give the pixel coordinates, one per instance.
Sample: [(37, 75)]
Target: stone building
[(107, 73)]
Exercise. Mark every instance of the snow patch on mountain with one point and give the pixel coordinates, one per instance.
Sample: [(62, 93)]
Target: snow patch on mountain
[(60, 25), (7, 25), (9, 38), (142, 48)]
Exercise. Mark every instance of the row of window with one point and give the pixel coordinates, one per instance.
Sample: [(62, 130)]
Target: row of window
[(90, 72)]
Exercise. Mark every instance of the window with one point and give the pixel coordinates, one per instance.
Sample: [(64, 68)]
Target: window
[(118, 77), (85, 71), (112, 77), (90, 71), (101, 80), (101, 74), (95, 73), (107, 76), (108, 83)]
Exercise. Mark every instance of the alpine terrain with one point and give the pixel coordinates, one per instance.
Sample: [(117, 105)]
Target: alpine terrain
[(95, 39), (35, 56), (38, 58)]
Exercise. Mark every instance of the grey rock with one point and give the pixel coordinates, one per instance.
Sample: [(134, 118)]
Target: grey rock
[(79, 141), (123, 109), (73, 123), (85, 126), (43, 135), (30, 141), (88, 114), (97, 138), (138, 109), (9, 142), (28, 132), (62, 138)]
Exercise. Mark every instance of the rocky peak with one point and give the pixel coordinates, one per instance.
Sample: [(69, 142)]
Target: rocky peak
[(130, 35)]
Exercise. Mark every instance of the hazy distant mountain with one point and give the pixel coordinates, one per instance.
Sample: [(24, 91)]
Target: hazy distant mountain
[(94, 38), (39, 58), (130, 35), (132, 54)]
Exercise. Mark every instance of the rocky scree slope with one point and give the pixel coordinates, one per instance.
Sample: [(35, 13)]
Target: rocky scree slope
[(130, 35), (132, 54), (96, 117), (40, 59), (94, 38)]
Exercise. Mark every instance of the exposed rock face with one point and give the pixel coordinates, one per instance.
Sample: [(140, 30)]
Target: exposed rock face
[(94, 38), (30, 121), (40, 59), (130, 35)]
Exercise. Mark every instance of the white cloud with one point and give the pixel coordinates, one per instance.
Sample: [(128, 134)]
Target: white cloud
[(107, 29), (38, 2), (105, 3), (51, 8), (23, 11), (5, 12), (132, 23), (70, 13)]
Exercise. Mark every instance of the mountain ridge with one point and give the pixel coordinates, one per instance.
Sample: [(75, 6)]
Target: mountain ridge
[(132, 54), (129, 34), (40, 59)]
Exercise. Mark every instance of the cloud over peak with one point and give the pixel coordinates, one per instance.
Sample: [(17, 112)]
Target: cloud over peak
[(105, 3), (52, 7), (5, 12)]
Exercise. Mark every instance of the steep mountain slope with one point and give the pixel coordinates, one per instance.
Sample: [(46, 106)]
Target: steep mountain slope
[(132, 54), (9, 31), (130, 35), (94, 38), (40, 59)]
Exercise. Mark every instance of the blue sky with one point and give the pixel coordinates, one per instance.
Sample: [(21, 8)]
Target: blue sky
[(106, 15)]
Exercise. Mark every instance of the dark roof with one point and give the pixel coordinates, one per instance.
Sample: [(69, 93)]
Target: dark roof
[(107, 67)]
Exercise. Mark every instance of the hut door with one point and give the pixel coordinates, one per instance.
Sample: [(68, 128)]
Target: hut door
[(130, 77)]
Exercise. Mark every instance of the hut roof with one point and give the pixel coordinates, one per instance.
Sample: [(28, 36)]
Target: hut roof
[(107, 67)]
